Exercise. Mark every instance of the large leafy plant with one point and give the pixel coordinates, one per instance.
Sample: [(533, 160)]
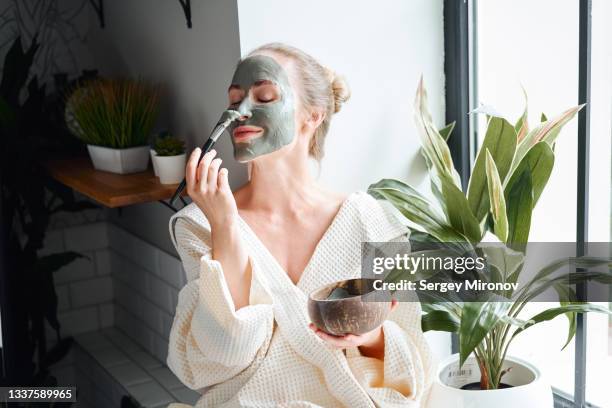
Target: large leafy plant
[(512, 168), (31, 132)]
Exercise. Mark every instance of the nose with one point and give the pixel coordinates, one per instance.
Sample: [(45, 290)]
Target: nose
[(244, 116)]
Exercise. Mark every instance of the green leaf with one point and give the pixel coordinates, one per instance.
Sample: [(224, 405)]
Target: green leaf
[(543, 117), (506, 260), (496, 199), (458, 210), (440, 320), (550, 314), (415, 207), (519, 201), (566, 292), (434, 145), (540, 161), (500, 140), (446, 131), (477, 320), (522, 126), (544, 132)]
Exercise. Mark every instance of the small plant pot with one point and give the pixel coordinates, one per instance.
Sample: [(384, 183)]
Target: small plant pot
[(170, 169), (153, 154), (527, 387), (359, 310), (121, 161)]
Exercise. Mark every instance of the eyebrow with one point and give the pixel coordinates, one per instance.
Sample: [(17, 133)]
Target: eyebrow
[(257, 83)]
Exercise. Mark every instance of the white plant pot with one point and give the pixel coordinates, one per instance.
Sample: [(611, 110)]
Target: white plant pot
[(170, 169), (153, 154), (529, 387), (121, 161)]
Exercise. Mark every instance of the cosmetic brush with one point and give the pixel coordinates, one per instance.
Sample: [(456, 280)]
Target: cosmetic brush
[(226, 119)]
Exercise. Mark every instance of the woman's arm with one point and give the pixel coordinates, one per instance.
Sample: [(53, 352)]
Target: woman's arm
[(210, 341), (209, 189)]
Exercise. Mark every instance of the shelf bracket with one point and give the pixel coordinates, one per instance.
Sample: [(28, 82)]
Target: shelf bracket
[(99, 9), (186, 5)]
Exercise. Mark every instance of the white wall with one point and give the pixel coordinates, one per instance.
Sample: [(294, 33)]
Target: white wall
[(382, 48), (150, 38)]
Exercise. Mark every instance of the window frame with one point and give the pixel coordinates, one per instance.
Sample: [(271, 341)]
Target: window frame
[(460, 48)]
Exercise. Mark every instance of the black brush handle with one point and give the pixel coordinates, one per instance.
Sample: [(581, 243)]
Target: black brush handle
[(205, 149)]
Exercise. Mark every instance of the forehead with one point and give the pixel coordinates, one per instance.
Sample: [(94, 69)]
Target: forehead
[(258, 68)]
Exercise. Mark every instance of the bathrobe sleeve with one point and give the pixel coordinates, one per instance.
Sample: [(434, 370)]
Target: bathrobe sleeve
[(404, 377), (210, 342)]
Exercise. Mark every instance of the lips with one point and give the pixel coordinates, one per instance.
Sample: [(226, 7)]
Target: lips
[(246, 133)]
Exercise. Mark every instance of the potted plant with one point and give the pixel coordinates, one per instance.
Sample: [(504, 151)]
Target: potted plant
[(162, 134), (169, 159), (510, 172), (114, 118)]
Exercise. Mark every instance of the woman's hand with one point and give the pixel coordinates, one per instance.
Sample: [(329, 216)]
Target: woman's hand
[(208, 187), (371, 344)]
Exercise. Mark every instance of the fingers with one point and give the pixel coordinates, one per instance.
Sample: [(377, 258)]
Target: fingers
[(202, 172), (394, 304), (190, 170), (222, 182), (349, 340), (213, 172)]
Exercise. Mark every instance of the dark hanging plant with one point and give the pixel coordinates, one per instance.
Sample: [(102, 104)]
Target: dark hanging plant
[(32, 131)]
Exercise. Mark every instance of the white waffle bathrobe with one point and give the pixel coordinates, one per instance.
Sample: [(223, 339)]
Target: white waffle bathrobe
[(264, 354)]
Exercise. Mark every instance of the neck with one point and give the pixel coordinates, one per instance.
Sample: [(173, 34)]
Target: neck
[(281, 183)]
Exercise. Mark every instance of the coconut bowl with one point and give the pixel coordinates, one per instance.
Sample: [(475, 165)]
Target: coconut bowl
[(354, 307)]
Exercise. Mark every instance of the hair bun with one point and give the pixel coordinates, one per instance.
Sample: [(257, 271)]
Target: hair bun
[(340, 89)]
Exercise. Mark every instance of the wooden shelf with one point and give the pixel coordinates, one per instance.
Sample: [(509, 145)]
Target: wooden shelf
[(109, 189)]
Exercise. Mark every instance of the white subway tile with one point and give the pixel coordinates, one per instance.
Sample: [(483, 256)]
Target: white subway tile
[(126, 297), (150, 394), (166, 378), (167, 321), (152, 316), (107, 315), (103, 262), (139, 279), (161, 294), (145, 360), (186, 395), (160, 348), (92, 341), (134, 248), (128, 374), (79, 321), (120, 340), (171, 270), (91, 292), (63, 298), (118, 268), (79, 269), (109, 357), (86, 237), (53, 243), (144, 336)]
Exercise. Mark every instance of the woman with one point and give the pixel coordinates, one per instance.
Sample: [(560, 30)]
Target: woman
[(241, 334)]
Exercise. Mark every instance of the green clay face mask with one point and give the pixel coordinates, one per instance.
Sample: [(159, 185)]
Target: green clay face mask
[(275, 118)]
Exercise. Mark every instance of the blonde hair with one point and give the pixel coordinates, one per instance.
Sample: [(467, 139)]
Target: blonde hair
[(321, 88)]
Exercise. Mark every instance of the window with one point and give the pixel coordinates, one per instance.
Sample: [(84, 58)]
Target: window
[(536, 46)]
